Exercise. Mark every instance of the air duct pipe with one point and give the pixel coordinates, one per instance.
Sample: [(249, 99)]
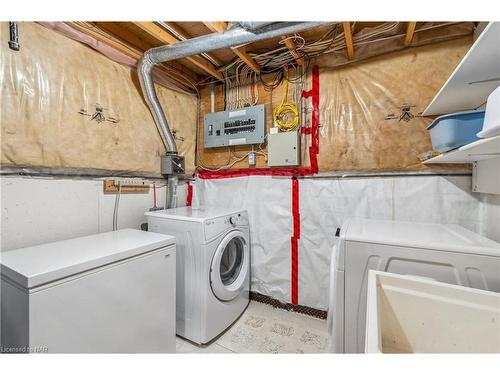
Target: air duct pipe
[(253, 26), (235, 36)]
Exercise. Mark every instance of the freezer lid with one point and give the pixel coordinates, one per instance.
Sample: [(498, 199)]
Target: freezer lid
[(445, 237), (193, 214), (36, 265)]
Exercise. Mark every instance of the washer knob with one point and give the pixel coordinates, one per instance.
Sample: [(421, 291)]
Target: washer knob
[(232, 220)]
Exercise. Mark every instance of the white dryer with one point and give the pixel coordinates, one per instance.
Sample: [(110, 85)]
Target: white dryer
[(213, 267), (444, 252)]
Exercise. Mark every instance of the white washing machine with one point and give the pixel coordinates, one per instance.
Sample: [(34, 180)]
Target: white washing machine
[(213, 267), (444, 252)]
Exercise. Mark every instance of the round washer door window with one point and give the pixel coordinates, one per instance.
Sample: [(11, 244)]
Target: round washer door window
[(229, 266)]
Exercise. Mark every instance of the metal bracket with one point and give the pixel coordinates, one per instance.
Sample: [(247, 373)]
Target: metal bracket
[(14, 36)]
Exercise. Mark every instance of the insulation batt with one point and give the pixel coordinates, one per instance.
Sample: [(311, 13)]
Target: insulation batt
[(324, 205), (51, 78)]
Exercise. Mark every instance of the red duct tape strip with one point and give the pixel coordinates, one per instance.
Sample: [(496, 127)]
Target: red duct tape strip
[(189, 196), (313, 149), (294, 241)]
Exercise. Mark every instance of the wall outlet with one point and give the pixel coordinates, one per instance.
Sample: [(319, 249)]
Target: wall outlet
[(251, 159)]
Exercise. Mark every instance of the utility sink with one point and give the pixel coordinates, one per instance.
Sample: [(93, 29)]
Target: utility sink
[(409, 314)]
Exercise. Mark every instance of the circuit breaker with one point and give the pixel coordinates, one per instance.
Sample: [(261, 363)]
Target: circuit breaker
[(283, 149), (244, 126)]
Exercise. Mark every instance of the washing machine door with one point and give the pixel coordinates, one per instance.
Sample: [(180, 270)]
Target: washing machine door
[(229, 266)]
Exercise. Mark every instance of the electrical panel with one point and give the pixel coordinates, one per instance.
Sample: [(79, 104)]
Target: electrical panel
[(244, 126), (283, 149)]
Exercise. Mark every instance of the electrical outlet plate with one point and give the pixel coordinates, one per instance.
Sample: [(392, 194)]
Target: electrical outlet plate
[(251, 159)]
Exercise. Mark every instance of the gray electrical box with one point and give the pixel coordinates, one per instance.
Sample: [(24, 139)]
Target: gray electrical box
[(244, 126), (283, 149), (172, 164)]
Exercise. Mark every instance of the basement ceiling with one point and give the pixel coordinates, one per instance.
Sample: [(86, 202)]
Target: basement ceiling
[(133, 38)]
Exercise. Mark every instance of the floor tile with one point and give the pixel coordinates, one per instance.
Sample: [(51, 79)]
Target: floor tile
[(265, 329)]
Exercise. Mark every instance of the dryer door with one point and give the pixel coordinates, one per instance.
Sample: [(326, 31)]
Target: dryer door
[(230, 266)]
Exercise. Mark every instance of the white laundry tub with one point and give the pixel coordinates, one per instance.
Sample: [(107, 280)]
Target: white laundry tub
[(408, 314)]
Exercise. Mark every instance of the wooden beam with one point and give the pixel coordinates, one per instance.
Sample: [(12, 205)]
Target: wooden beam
[(121, 32), (184, 35), (217, 26), (348, 40), (410, 31), (127, 50), (161, 35), (292, 48), (241, 51)]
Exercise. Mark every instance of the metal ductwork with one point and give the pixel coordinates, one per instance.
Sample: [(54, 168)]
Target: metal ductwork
[(253, 26), (235, 36)]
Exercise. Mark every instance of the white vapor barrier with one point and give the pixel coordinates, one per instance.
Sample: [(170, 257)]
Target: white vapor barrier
[(38, 210), (268, 202), (324, 205)]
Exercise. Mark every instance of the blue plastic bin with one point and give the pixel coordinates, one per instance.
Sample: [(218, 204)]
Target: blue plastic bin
[(455, 130)]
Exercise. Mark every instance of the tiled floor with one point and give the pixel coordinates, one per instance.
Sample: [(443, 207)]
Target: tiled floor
[(265, 329)]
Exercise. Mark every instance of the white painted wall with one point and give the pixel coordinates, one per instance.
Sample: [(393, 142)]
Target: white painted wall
[(491, 215), (35, 211)]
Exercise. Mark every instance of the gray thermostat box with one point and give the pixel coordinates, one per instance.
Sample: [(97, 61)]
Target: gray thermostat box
[(244, 126)]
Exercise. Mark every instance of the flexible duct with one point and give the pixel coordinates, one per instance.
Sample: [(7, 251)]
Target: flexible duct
[(233, 37), (171, 191), (253, 26), (144, 69)]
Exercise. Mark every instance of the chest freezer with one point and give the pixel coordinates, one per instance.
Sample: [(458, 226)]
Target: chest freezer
[(443, 252), (105, 293)]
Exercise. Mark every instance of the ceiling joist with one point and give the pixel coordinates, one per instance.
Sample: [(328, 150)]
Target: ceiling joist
[(348, 40), (163, 36), (183, 35), (410, 31), (241, 51), (217, 26), (292, 47), (129, 51)]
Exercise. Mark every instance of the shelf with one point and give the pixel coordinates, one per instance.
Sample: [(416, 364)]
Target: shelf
[(477, 75), (482, 149)]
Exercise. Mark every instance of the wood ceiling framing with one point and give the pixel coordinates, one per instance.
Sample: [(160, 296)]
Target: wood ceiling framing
[(133, 38)]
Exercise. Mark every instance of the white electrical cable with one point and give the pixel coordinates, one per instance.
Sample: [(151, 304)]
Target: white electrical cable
[(117, 202)]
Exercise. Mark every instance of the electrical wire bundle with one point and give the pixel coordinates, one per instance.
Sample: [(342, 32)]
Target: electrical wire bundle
[(240, 86), (282, 112)]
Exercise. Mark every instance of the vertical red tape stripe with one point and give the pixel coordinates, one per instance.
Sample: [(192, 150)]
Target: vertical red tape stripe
[(294, 241), (189, 196)]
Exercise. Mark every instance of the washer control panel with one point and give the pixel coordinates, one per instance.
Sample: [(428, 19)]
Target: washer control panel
[(216, 226)]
